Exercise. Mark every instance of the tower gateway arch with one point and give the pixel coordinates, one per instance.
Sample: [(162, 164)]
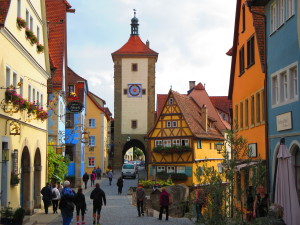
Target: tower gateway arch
[(134, 94)]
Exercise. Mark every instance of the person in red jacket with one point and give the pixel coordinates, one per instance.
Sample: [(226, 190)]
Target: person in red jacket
[(164, 203)]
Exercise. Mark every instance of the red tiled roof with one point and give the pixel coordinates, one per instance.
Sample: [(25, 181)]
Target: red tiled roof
[(160, 102), (135, 47), (79, 83), (56, 11), (221, 102), (4, 6)]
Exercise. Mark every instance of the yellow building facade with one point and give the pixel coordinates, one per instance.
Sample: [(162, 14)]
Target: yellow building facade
[(98, 121), (24, 70), (182, 140)]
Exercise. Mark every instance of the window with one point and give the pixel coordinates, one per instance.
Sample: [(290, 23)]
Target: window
[(31, 23), (7, 77), (244, 19), (289, 8), (199, 144), (27, 18), (92, 140), (168, 123), (134, 67), (174, 123), (21, 87), (258, 109), (273, 19), (237, 115), (92, 123), (252, 110), (38, 33), (42, 101), (38, 98), (33, 95), (242, 61), (29, 93), (143, 91), (170, 169), (180, 169), (133, 124), (185, 142), (250, 52), (158, 143), (210, 145), (15, 82), (176, 142), (275, 90), (283, 87), (69, 120), (280, 12), (70, 89), (241, 115), (19, 8), (294, 82), (167, 143), (69, 152), (125, 91), (246, 113), (160, 169), (263, 116), (91, 161), (171, 101)]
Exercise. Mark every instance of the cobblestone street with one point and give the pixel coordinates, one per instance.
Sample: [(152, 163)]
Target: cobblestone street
[(119, 210)]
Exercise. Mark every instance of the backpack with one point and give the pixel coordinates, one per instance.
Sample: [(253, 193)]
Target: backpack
[(54, 195)]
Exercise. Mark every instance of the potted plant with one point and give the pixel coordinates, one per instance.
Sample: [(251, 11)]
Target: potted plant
[(39, 47), (21, 22), (7, 214), (19, 216), (14, 179)]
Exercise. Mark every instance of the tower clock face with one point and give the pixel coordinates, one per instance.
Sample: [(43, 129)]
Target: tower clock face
[(134, 90)]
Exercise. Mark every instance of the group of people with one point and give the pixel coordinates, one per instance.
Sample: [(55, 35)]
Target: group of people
[(64, 198), (96, 174)]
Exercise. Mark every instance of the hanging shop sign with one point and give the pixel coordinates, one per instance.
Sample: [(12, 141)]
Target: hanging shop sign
[(75, 107)]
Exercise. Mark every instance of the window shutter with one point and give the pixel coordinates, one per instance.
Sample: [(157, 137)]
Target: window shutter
[(151, 170), (188, 171)]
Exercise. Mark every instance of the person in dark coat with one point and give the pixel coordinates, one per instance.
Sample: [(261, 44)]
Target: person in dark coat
[(67, 203), (93, 178), (80, 205), (99, 198), (261, 203), (164, 201), (120, 185), (47, 196), (85, 179), (99, 171), (140, 197)]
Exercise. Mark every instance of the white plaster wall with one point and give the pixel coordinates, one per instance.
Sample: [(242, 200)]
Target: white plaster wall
[(134, 108)]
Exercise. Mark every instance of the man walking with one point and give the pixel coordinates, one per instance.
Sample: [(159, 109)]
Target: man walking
[(140, 196), (110, 176), (164, 203), (85, 179), (99, 171), (99, 198), (47, 196)]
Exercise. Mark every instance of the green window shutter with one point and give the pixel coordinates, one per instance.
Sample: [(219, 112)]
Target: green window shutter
[(188, 171), (151, 170)]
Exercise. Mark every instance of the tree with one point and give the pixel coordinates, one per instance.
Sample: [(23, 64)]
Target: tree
[(137, 153), (57, 166)]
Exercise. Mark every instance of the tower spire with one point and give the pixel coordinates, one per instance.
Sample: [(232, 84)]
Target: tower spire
[(134, 24)]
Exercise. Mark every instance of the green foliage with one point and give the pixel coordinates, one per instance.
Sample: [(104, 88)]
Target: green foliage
[(57, 166), (172, 149), (7, 212), (150, 184), (137, 153), (14, 179)]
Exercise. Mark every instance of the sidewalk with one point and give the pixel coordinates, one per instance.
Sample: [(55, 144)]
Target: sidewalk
[(40, 218)]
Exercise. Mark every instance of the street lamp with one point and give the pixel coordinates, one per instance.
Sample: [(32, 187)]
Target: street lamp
[(5, 155), (219, 146), (128, 138)]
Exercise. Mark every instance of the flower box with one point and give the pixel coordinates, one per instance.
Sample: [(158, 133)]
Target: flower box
[(172, 149), (30, 35), (39, 47), (21, 22)]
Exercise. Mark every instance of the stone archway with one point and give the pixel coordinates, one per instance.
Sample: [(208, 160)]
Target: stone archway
[(134, 143), (37, 179), (25, 194)]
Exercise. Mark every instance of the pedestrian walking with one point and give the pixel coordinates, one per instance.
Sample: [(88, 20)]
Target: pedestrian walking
[(99, 171), (93, 178), (199, 202), (47, 196), (140, 197), (110, 176), (164, 203), (55, 198), (120, 185), (99, 198), (67, 203), (261, 203), (85, 179), (80, 206)]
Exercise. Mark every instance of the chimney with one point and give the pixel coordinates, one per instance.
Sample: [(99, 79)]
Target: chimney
[(204, 116), (192, 84), (148, 44)]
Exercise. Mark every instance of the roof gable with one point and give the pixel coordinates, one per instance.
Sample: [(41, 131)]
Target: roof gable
[(4, 6)]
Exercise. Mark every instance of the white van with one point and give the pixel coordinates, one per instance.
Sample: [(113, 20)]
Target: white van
[(129, 170)]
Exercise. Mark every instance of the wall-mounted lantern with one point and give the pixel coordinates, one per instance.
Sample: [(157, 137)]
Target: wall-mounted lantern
[(219, 147), (5, 155)]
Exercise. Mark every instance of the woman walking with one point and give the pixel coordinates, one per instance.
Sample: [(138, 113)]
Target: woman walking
[(80, 206), (120, 185)]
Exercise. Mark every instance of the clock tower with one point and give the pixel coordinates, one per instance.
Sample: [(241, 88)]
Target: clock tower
[(134, 94)]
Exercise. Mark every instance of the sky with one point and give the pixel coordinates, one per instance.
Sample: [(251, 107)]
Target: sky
[(191, 37)]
